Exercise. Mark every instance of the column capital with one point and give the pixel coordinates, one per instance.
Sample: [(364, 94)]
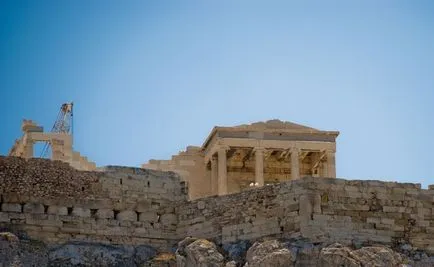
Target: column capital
[(258, 149), (294, 149), (223, 147)]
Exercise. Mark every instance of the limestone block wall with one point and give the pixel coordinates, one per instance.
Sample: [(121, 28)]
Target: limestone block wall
[(322, 209), (190, 165), (53, 202), (269, 211), (384, 212)]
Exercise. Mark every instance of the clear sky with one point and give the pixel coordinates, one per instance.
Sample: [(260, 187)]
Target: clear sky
[(149, 78)]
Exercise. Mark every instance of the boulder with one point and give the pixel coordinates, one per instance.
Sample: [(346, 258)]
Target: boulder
[(269, 253), (198, 253), (338, 255)]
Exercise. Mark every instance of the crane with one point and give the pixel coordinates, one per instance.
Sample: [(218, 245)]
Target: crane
[(63, 124)]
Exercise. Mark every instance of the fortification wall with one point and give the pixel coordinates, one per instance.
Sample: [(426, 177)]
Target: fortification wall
[(321, 209), (55, 203)]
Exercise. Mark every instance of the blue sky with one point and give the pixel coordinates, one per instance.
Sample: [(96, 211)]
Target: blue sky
[(151, 77)]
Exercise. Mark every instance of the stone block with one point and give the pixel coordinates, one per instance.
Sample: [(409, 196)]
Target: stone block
[(143, 206), (57, 210), (201, 205), (80, 212), (148, 217), (127, 215), (168, 219), (11, 207), (4, 217), (104, 214), (33, 208), (387, 221)]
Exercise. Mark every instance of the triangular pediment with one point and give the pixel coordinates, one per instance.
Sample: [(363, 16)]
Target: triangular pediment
[(274, 125)]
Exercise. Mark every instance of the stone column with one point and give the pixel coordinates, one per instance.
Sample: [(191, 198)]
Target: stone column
[(214, 181), (28, 148), (259, 166), (222, 171), (295, 164), (331, 164)]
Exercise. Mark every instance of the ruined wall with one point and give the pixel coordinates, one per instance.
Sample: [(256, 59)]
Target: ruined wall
[(55, 203), (268, 211), (321, 209), (190, 165)]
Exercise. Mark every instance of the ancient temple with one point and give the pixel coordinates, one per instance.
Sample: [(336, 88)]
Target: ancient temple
[(59, 143), (236, 158)]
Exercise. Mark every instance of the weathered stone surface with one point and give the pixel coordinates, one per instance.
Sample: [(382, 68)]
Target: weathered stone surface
[(85, 254), (237, 250), (148, 216), (127, 215), (168, 219), (203, 253), (164, 259), (11, 207), (80, 212), (104, 214), (16, 253), (338, 255), (269, 254), (143, 254), (33, 208), (57, 210)]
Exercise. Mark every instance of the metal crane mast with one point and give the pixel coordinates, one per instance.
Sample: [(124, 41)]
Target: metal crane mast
[(63, 124)]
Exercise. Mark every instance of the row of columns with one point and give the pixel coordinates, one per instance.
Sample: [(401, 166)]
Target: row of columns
[(219, 179)]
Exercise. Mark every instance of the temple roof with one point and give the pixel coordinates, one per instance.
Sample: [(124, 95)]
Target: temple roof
[(274, 124), (270, 126)]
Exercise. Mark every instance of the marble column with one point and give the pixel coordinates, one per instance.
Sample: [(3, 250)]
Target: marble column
[(295, 164), (259, 166), (214, 176), (222, 171), (331, 164)]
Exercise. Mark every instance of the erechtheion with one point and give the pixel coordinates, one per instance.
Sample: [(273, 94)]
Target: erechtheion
[(233, 159)]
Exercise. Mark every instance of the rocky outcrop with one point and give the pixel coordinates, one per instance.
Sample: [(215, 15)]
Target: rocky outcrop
[(15, 252), (376, 256), (198, 253), (270, 253), (194, 252)]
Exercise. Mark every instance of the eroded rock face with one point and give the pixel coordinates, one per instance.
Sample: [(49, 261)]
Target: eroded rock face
[(84, 254), (269, 254), (15, 252), (203, 253), (338, 255)]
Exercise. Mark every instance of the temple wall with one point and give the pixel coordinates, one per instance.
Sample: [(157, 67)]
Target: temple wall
[(190, 165), (52, 202)]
